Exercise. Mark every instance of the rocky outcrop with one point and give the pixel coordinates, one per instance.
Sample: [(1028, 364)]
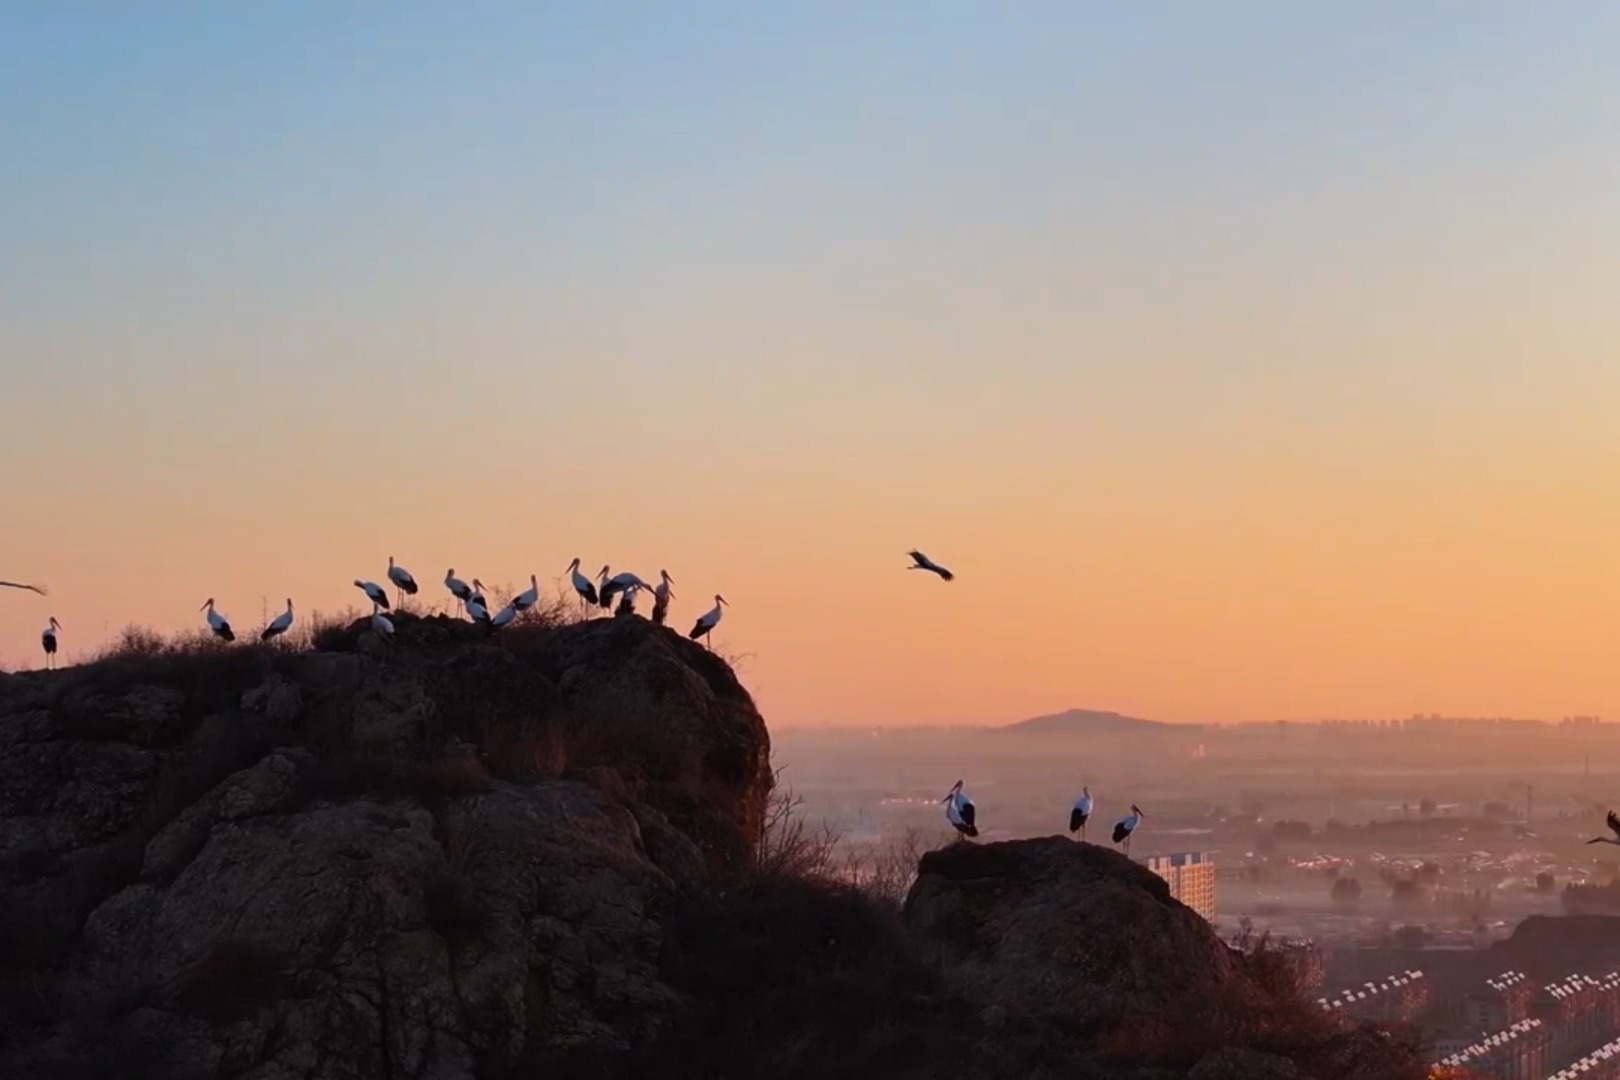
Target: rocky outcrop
[(461, 855), (428, 862), (1089, 945), (1073, 933)]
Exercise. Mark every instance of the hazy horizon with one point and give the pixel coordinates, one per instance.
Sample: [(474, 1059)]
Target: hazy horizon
[(1245, 363)]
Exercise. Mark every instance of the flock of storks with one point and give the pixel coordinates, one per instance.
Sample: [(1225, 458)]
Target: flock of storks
[(963, 816), (591, 594), (959, 808)]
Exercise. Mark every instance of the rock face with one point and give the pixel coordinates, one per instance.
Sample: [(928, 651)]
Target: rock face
[(430, 863), (1067, 932)]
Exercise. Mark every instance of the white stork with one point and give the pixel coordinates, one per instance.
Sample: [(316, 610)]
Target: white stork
[(923, 562), (403, 582), (476, 611), (959, 811), (20, 585), (1614, 826), (458, 588), (618, 583), (1081, 813), (583, 586), (708, 620), (1127, 825), (661, 597), (374, 592), (478, 588), (382, 626), (627, 600), (47, 641), (219, 624), (280, 624), (529, 597), (503, 617)]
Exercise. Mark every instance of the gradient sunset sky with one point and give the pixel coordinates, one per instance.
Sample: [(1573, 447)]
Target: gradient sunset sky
[(1245, 361)]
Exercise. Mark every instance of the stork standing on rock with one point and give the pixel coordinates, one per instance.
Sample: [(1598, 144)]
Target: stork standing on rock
[(458, 588), (959, 811), (627, 600), (618, 583), (47, 641), (280, 624), (661, 597), (382, 626), (529, 597), (708, 621), (1126, 826), (584, 588), (1081, 813), (478, 588), (374, 592), (503, 617), (476, 611), (404, 584), (219, 624)]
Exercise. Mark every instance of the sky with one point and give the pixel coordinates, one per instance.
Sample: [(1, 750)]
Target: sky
[(1250, 361)]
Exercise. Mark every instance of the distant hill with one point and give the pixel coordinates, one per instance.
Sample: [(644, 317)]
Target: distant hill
[(1082, 721)]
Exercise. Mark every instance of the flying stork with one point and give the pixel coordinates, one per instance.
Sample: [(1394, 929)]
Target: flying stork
[(1081, 813), (374, 592), (708, 620), (20, 585), (403, 582), (47, 641), (583, 586), (923, 562), (1127, 825), (1614, 826), (458, 588), (280, 624), (529, 597), (959, 811), (219, 624), (661, 597)]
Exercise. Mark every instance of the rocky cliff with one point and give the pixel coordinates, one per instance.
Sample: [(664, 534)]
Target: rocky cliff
[(459, 856)]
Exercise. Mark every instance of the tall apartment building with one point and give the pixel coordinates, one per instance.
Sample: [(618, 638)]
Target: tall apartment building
[(1191, 877)]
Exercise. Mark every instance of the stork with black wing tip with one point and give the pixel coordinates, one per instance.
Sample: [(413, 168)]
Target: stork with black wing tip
[(584, 587), (959, 811), (1613, 822), (923, 562), (1081, 813), (1126, 826)]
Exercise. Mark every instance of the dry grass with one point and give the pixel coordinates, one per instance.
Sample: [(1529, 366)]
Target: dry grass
[(790, 846)]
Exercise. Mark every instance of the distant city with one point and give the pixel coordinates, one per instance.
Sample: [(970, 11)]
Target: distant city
[(1399, 859)]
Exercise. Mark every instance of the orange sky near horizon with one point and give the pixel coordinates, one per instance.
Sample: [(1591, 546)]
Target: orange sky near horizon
[(1235, 382)]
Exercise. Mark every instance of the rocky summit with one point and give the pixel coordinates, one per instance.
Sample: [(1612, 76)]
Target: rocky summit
[(462, 855)]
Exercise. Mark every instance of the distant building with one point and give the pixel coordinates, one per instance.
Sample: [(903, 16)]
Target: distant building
[(1397, 997), (1191, 876)]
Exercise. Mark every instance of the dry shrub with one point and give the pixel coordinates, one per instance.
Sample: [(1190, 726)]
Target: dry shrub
[(1271, 1012), (791, 847)]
